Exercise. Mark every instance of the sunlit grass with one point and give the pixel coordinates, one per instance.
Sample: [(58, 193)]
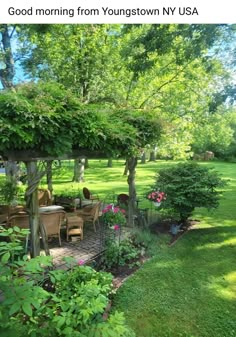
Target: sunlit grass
[(189, 289)]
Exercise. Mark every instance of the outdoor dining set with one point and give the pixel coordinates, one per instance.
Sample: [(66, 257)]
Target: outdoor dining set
[(53, 218)]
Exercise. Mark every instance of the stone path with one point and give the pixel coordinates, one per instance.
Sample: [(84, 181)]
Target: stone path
[(85, 249), (82, 250)]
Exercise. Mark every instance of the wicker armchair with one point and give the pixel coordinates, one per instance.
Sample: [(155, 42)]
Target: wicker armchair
[(44, 197), (88, 196), (19, 220), (90, 214), (52, 222)]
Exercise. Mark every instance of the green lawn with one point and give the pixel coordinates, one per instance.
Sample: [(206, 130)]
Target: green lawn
[(189, 290), (107, 182)]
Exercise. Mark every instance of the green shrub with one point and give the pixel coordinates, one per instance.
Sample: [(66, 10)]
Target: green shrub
[(38, 302), (8, 191), (119, 253), (189, 185)]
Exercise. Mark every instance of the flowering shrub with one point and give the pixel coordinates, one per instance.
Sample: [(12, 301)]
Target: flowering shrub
[(113, 216), (156, 196)]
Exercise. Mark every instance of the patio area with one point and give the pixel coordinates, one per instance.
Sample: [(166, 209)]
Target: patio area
[(86, 249)]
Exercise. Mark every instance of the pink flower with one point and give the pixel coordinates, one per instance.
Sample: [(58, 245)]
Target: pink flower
[(123, 211), (107, 209), (116, 209), (81, 262), (116, 227)]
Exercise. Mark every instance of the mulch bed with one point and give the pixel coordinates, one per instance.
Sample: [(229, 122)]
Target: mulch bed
[(121, 273), (164, 227)]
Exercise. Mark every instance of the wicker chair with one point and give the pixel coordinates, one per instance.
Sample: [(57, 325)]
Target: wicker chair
[(19, 220), (90, 214), (52, 222), (88, 196), (7, 211), (123, 199), (44, 197)]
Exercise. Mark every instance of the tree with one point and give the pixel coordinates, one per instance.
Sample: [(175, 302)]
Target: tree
[(213, 133), (7, 67), (82, 57), (187, 186), (148, 129)]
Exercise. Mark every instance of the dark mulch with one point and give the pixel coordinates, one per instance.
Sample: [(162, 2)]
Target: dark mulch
[(122, 272), (164, 227)]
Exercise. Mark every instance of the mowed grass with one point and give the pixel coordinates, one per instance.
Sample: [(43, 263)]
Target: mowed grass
[(105, 181), (189, 290)]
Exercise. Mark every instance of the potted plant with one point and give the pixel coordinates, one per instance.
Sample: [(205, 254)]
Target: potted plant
[(113, 217), (156, 197)]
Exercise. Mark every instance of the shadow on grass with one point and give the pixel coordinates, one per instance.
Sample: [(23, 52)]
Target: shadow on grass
[(186, 290)]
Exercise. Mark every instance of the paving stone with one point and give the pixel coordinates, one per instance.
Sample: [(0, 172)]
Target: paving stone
[(85, 249)]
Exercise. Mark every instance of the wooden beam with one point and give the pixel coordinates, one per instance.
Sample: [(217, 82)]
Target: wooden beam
[(31, 155)]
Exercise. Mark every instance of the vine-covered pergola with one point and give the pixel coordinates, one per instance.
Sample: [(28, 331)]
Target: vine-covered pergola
[(44, 121)]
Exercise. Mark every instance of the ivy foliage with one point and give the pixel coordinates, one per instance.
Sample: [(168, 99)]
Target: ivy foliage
[(47, 117), (37, 116)]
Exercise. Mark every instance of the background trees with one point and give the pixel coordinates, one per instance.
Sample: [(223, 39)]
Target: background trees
[(121, 81), (180, 72)]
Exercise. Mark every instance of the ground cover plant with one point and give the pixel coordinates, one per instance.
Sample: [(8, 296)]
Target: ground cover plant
[(38, 301)]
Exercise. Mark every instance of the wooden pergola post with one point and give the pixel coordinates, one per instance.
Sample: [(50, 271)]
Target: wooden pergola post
[(33, 207)]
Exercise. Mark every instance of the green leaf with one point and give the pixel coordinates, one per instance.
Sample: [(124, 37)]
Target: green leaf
[(5, 257), (26, 307), (14, 308)]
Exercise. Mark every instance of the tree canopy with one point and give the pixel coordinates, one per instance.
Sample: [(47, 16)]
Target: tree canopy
[(178, 73)]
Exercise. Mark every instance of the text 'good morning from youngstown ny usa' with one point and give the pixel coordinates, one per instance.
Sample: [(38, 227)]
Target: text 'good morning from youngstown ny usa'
[(103, 11)]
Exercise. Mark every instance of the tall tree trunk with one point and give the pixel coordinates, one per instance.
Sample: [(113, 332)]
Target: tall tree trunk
[(109, 162), (12, 170), (81, 170), (79, 165), (143, 158), (76, 170), (8, 71), (152, 155), (33, 207), (126, 169), (49, 175), (132, 163), (86, 164)]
